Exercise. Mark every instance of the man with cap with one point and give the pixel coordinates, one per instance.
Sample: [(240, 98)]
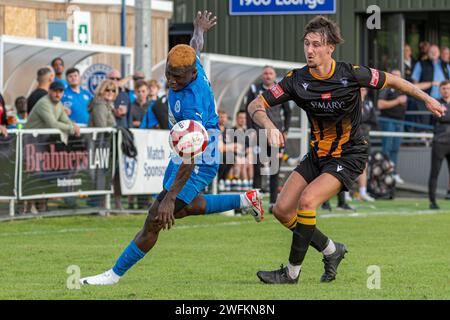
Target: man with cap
[(49, 113)]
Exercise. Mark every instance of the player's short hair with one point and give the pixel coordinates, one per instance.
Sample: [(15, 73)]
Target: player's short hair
[(239, 112), (181, 56), (140, 84), (42, 73), (221, 111), (328, 29), (268, 66), (444, 83), (72, 70)]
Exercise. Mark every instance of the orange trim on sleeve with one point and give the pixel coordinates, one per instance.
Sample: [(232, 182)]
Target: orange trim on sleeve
[(266, 104), (385, 81)]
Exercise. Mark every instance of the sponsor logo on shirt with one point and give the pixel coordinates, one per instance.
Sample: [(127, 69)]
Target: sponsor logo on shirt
[(344, 82), (305, 86), (375, 77), (277, 91), (329, 106)]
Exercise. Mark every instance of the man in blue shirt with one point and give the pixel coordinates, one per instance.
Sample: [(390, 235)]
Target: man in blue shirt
[(190, 98), (428, 75), (58, 65), (430, 81), (76, 99)]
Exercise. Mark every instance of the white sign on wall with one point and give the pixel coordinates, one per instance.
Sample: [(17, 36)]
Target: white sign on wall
[(145, 174), (82, 27)]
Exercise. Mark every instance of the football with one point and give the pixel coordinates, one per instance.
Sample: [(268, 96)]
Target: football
[(188, 138)]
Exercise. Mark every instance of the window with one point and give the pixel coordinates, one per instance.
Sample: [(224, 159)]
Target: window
[(57, 29)]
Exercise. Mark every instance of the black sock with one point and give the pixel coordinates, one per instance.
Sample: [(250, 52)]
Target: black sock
[(302, 236), (319, 241)]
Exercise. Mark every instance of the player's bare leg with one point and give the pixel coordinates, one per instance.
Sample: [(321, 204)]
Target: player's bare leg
[(313, 195), (147, 237)]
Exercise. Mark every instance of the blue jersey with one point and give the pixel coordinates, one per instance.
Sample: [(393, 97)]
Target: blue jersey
[(78, 103), (194, 102)]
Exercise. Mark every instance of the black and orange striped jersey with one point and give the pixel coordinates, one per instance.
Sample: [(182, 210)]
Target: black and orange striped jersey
[(332, 103)]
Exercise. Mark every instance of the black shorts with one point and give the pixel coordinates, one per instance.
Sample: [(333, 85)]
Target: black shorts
[(346, 169)]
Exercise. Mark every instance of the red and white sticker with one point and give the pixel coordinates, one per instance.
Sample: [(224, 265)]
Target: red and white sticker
[(375, 77), (277, 91), (326, 96)]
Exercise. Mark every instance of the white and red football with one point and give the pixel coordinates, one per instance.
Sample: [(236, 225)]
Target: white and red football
[(188, 138)]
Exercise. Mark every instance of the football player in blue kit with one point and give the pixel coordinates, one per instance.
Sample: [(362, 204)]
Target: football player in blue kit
[(190, 98)]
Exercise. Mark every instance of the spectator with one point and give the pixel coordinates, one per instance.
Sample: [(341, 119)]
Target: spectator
[(141, 104), (274, 113), (428, 74), (441, 145), (409, 61), (227, 148), (161, 110), (21, 113), (424, 47), (149, 120), (45, 77), (243, 166), (58, 66), (3, 117), (48, 113), (122, 105), (101, 107), (368, 122), (76, 99), (392, 104), (101, 115), (137, 76), (445, 56)]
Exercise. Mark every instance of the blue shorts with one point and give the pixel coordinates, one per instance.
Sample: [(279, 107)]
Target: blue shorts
[(200, 178)]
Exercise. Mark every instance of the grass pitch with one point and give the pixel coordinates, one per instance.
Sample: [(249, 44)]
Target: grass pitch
[(216, 257)]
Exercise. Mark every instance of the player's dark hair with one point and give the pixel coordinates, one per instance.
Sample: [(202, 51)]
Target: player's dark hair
[(141, 83), (72, 70), (56, 59), (328, 29), (444, 83)]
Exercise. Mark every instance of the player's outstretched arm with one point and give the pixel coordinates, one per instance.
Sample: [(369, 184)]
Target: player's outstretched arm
[(408, 88), (202, 23), (167, 206), (258, 114)]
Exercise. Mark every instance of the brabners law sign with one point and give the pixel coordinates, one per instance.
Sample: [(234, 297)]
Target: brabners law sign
[(276, 7)]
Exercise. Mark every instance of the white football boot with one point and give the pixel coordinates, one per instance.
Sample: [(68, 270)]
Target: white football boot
[(107, 278)]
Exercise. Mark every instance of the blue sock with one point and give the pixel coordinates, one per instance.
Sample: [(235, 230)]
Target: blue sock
[(222, 202), (128, 258)]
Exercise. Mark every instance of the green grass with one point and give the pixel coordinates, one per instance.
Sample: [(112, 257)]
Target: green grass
[(216, 257)]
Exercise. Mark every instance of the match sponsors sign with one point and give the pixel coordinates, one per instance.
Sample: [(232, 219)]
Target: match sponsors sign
[(50, 168), (8, 152), (144, 175), (276, 7)]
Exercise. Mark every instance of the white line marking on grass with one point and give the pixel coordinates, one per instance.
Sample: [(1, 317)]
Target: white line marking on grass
[(234, 223)]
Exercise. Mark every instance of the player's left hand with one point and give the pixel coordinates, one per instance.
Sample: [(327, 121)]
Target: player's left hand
[(165, 213), (204, 21), (436, 107)]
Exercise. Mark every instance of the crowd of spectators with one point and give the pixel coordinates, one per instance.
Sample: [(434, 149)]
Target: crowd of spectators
[(59, 101)]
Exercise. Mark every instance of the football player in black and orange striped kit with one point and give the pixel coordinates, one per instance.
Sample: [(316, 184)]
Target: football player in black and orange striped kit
[(329, 92)]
